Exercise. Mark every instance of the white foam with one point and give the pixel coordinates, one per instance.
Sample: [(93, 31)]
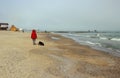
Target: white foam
[(116, 39), (90, 42), (55, 38), (103, 38)]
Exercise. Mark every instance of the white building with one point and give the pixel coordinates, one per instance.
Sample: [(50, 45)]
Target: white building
[(4, 26)]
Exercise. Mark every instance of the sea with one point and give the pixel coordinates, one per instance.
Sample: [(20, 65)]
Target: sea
[(104, 41)]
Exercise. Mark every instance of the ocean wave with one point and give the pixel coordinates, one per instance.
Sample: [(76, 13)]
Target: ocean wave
[(55, 38), (104, 38), (92, 43), (70, 34), (118, 51), (115, 39), (77, 35)]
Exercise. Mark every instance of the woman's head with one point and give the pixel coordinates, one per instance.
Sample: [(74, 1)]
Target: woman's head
[(33, 30)]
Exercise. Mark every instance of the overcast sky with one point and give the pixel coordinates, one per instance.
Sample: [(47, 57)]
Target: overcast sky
[(62, 14)]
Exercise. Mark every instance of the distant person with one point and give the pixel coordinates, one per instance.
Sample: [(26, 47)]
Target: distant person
[(34, 36), (23, 31)]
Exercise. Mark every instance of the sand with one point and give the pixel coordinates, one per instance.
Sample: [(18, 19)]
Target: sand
[(59, 58)]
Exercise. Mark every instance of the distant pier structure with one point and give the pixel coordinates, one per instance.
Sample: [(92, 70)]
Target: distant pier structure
[(4, 26)]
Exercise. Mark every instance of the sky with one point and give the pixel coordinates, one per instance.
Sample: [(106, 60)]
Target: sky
[(76, 15)]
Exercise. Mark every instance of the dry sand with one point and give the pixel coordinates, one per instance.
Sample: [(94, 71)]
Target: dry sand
[(59, 58)]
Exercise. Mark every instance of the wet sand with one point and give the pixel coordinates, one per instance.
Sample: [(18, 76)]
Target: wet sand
[(59, 58)]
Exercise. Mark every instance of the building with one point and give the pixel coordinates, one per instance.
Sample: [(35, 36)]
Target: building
[(14, 28), (4, 26)]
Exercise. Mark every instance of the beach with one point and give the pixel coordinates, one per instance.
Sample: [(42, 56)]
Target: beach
[(60, 58)]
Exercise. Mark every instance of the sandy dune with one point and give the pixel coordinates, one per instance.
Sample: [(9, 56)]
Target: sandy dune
[(59, 58)]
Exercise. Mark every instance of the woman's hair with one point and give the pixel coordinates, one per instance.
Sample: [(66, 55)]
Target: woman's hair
[(33, 30)]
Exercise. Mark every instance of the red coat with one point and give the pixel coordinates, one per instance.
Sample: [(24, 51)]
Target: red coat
[(33, 34)]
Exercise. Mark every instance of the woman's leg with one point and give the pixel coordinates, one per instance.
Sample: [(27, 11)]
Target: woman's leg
[(34, 41)]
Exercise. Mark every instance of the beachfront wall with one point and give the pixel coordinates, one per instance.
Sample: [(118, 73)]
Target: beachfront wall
[(4, 26)]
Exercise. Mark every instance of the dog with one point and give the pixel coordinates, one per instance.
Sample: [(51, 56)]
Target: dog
[(40, 43)]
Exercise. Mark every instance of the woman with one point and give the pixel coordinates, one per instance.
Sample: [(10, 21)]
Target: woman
[(34, 36)]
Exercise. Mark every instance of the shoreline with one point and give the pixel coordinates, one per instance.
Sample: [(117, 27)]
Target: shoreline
[(97, 58), (110, 51), (60, 58)]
